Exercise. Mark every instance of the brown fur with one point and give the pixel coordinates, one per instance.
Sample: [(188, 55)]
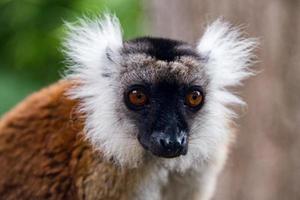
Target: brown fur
[(44, 156)]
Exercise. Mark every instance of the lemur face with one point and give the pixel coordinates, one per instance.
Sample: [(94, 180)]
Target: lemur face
[(152, 96), (164, 104)]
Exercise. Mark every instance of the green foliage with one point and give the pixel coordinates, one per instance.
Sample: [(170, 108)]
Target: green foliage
[(31, 32)]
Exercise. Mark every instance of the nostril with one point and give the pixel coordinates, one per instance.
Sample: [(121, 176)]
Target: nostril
[(162, 143), (183, 140)]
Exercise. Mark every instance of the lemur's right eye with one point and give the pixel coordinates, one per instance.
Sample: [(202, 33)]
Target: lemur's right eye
[(194, 98), (137, 97)]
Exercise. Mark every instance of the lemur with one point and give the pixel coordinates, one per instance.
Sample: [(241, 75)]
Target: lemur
[(143, 119)]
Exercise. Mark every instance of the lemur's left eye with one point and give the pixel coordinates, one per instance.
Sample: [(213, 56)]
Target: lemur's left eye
[(194, 98), (137, 97)]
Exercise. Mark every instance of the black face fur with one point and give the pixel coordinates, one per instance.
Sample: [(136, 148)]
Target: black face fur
[(160, 48), (163, 119)]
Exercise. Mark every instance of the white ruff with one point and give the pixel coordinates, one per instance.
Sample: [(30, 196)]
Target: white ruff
[(87, 47)]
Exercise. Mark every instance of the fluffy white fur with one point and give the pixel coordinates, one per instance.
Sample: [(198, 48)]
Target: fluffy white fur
[(227, 57), (87, 47)]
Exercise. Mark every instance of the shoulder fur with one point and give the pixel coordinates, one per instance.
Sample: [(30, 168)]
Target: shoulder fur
[(43, 154)]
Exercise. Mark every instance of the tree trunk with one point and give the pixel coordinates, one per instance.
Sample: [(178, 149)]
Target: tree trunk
[(265, 161)]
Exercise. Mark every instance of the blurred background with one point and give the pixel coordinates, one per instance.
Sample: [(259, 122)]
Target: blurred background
[(264, 164), (31, 32)]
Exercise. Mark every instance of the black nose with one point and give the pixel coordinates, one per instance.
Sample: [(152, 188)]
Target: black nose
[(168, 145)]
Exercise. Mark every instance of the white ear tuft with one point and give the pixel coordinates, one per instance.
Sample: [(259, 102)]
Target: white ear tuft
[(91, 44), (227, 54)]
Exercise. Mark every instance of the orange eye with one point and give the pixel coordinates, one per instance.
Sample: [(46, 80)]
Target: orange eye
[(137, 97), (194, 98)]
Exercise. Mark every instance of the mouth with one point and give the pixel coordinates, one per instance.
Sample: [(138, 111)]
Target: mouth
[(169, 153)]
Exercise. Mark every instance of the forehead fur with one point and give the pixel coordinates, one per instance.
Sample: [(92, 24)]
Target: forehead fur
[(142, 68), (153, 60), (160, 48)]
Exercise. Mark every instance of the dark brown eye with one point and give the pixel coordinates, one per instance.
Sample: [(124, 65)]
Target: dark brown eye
[(194, 98), (137, 97)]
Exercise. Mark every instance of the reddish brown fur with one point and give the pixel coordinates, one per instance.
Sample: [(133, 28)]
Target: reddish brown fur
[(43, 154)]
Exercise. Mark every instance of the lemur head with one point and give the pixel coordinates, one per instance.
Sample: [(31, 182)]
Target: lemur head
[(153, 97)]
